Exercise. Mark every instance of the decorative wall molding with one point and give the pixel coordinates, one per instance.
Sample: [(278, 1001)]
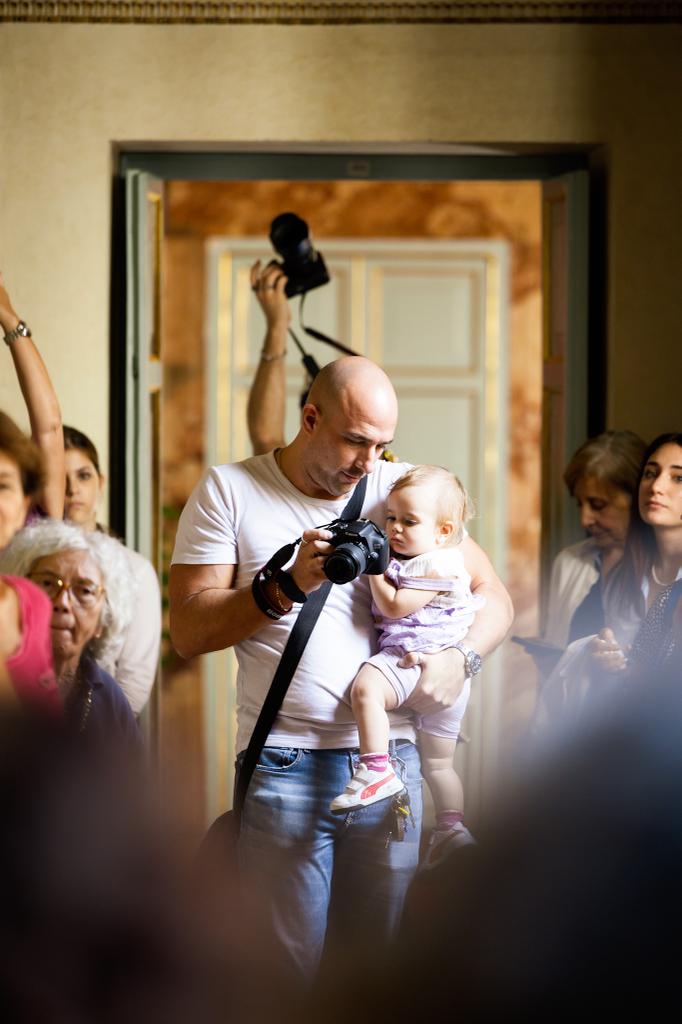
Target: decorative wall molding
[(325, 12)]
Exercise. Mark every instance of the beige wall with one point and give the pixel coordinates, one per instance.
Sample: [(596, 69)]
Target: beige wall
[(67, 92)]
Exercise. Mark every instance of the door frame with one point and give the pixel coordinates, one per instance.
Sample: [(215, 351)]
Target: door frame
[(437, 163)]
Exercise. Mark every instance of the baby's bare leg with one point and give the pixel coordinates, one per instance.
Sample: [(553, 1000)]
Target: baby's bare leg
[(437, 755), (374, 777), (371, 697)]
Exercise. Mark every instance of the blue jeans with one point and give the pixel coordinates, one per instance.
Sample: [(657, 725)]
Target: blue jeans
[(323, 877)]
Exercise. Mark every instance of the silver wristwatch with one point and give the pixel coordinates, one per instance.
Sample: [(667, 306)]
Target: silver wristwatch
[(20, 331), (472, 660)]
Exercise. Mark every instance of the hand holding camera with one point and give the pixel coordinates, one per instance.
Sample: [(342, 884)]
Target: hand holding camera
[(269, 286), (301, 264), (308, 568), (340, 552), (358, 546)]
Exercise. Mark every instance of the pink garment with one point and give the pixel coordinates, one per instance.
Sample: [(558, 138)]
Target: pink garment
[(30, 668)]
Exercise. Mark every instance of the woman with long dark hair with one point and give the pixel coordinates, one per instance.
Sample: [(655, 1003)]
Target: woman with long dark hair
[(647, 584)]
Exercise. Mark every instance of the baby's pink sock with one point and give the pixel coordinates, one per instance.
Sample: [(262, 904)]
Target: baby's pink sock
[(376, 762), (446, 819)]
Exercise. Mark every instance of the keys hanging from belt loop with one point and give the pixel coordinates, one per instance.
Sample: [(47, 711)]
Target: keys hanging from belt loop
[(402, 816)]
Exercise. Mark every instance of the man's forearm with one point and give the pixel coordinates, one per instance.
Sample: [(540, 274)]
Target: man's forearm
[(213, 619), (442, 676), (493, 621)]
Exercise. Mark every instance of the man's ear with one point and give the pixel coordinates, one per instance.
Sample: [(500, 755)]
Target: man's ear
[(310, 417), (445, 531)]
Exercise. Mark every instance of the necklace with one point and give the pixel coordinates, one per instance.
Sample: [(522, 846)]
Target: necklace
[(79, 700), (660, 582)]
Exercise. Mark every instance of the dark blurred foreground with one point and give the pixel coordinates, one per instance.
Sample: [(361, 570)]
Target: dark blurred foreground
[(100, 921), (569, 904)]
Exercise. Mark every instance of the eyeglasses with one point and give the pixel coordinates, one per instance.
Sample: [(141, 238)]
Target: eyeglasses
[(83, 592)]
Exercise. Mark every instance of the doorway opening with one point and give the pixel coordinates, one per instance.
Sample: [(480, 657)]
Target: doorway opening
[(205, 223)]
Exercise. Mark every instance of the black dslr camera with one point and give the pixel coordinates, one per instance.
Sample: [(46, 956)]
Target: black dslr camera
[(302, 264), (359, 546)]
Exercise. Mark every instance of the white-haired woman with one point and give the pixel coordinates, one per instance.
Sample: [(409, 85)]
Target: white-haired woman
[(88, 581), (135, 661)]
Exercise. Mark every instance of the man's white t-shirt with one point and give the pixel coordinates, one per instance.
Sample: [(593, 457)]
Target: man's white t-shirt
[(240, 515)]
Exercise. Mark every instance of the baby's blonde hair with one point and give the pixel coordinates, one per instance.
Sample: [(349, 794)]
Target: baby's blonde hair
[(453, 504)]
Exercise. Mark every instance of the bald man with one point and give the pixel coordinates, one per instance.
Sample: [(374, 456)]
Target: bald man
[(323, 878)]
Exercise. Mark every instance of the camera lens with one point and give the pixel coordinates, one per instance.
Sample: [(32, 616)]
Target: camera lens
[(345, 563), (301, 262), (289, 236)]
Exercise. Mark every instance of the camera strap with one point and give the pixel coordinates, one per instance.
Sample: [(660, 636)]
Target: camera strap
[(320, 336), (309, 361), (295, 645)]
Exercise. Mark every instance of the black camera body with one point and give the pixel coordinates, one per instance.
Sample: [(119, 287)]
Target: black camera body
[(301, 262), (359, 546)]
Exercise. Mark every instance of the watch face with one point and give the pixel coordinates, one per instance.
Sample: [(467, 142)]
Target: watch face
[(473, 663)]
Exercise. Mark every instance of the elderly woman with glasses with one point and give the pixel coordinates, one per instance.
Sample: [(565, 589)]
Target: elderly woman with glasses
[(88, 582)]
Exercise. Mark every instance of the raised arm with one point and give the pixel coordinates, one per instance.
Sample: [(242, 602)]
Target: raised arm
[(267, 397), (43, 408)]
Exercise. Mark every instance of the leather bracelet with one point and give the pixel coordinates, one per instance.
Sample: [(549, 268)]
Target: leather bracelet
[(290, 587), (261, 598)]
